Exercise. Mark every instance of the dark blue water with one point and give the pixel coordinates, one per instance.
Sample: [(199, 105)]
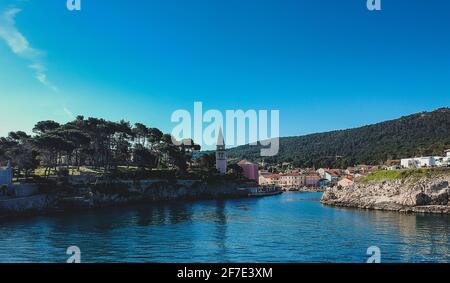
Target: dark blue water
[(293, 227)]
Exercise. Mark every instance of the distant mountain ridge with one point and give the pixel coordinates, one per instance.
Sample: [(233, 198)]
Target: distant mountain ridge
[(420, 134)]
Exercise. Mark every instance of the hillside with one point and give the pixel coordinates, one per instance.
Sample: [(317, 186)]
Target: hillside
[(426, 133)]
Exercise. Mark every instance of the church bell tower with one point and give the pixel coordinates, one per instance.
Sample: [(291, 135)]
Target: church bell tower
[(221, 158)]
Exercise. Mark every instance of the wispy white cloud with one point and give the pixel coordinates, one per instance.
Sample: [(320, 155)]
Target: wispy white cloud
[(68, 113), (20, 46)]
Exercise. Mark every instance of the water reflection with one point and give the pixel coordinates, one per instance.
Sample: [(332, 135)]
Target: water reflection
[(286, 228)]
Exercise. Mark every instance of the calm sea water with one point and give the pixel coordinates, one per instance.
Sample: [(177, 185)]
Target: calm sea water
[(293, 227)]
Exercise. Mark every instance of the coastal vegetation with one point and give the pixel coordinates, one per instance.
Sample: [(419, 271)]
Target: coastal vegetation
[(421, 134), (403, 174), (95, 146), (94, 163)]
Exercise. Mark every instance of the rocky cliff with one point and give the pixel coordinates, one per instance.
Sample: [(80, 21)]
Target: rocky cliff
[(429, 193)]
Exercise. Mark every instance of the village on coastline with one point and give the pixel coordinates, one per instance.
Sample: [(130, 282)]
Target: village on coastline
[(283, 176), (238, 178), (289, 178)]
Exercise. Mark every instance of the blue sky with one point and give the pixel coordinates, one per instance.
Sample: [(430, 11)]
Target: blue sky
[(325, 64)]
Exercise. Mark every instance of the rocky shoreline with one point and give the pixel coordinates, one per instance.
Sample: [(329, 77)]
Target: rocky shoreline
[(427, 194), (120, 193)]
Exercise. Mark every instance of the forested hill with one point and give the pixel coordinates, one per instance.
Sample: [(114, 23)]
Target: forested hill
[(426, 133)]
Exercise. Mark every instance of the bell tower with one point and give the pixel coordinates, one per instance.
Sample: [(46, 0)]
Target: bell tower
[(221, 158)]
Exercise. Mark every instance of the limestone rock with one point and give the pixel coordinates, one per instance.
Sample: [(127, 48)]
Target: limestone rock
[(426, 195)]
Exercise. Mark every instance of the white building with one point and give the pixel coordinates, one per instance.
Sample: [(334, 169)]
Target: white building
[(331, 176), (321, 172), (418, 162), (446, 159), (6, 175)]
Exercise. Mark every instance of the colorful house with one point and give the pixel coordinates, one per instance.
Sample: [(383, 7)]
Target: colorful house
[(292, 180), (250, 170)]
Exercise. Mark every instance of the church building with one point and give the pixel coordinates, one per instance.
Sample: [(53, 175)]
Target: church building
[(221, 157)]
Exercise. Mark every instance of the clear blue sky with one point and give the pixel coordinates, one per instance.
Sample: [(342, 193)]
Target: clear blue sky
[(325, 64)]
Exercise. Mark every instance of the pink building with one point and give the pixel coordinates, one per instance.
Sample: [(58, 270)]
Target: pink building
[(250, 170)]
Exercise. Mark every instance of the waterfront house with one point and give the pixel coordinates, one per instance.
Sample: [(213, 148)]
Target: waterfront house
[(6, 175), (264, 178), (250, 170), (312, 180), (292, 180), (269, 179)]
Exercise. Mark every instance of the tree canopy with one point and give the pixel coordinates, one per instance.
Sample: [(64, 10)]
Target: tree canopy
[(94, 142)]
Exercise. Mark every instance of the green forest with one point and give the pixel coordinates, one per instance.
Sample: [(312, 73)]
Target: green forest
[(96, 143), (421, 134)]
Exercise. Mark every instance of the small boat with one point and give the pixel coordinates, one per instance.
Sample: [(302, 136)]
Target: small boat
[(264, 191)]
